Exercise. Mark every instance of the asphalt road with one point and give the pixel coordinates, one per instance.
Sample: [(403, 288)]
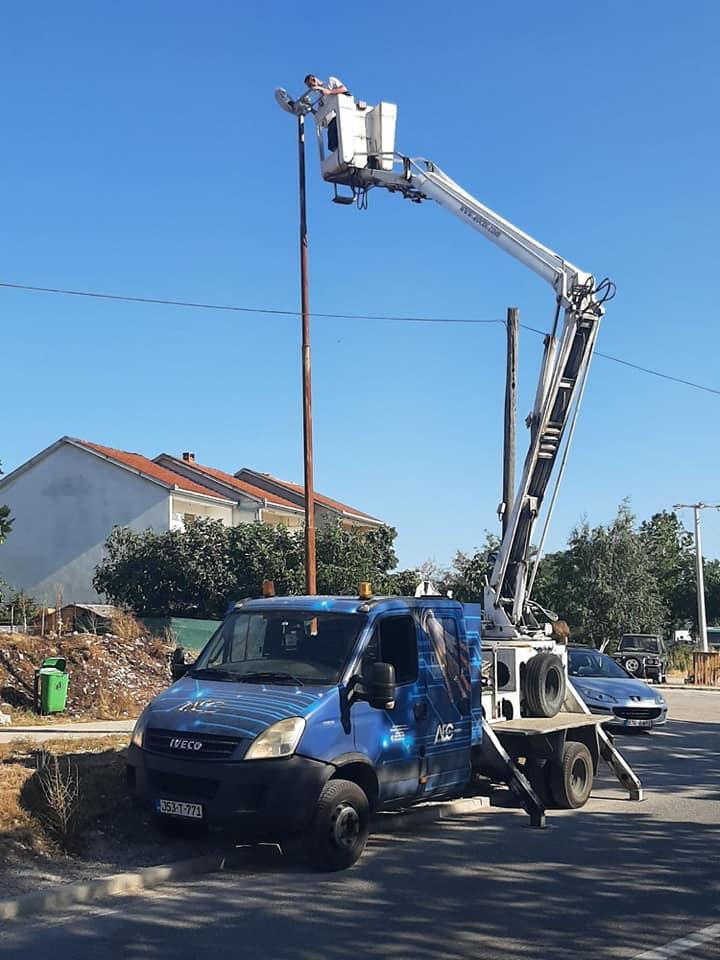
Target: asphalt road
[(614, 880)]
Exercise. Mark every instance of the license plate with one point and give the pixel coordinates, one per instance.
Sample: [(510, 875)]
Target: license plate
[(179, 808), (638, 723)]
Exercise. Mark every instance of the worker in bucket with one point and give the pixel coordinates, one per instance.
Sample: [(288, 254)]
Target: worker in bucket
[(332, 86)]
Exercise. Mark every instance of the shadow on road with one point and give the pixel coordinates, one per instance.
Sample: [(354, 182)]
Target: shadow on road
[(599, 883)]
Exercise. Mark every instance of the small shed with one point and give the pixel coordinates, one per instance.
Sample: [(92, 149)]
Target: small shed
[(86, 617)]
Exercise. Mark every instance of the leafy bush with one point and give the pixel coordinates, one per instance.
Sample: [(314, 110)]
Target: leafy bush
[(196, 572)]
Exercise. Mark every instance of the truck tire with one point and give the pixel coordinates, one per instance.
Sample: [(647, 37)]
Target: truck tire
[(544, 685), (340, 826), (571, 780)]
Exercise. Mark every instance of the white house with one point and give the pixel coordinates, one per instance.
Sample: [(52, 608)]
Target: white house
[(66, 500), (275, 501)]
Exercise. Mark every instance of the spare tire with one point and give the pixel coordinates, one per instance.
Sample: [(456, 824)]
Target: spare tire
[(633, 665), (544, 685)]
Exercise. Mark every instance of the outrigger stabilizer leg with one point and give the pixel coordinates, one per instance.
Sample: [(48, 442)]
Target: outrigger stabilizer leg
[(614, 759), (513, 776)]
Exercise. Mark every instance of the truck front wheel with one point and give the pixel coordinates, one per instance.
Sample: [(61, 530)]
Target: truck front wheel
[(340, 826), (571, 780)]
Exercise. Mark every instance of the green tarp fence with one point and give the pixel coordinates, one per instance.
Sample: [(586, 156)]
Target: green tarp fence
[(191, 634)]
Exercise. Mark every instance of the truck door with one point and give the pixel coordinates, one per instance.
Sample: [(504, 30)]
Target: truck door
[(389, 737), (445, 729)]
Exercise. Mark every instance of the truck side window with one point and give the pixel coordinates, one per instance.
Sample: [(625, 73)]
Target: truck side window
[(452, 647), (394, 641)]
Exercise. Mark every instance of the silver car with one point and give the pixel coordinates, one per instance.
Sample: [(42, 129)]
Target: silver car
[(608, 689)]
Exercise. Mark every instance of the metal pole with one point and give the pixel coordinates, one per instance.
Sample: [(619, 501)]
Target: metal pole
[(510, 414), (699, 573), (310, 561), (702, 618)]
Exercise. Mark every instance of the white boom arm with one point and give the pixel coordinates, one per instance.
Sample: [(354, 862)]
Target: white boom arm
[(565, 365), (363, 157)]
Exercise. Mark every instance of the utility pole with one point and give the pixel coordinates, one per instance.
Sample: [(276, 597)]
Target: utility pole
[(512, 326), (702, 618), (310, 560)]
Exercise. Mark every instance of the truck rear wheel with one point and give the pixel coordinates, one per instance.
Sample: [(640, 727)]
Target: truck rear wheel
[(340, 826), (571, 780), (544, 685)]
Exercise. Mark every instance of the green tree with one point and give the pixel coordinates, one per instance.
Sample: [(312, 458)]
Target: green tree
[(669, 549), (469, 571), (199, 570), (5, 520), (604, 584)]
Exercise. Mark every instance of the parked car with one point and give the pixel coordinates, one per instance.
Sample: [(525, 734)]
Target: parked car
[(607, 688), (643, 655)]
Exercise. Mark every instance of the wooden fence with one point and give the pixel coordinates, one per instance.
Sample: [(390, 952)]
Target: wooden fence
[(706, 668)]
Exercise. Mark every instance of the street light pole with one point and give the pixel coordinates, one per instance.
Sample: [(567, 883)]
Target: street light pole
[(699, 573), (310, 559)]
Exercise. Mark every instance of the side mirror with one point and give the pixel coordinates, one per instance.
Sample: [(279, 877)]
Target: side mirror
[(178, 667), (380, 688)]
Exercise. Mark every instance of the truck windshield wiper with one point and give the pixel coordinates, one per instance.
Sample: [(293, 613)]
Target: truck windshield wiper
[(270, 677), (214, 673)]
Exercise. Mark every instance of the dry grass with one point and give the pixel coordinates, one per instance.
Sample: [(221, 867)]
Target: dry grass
[(125, 626), (34, 797), (115, 705), (110, 677), (54, 798)]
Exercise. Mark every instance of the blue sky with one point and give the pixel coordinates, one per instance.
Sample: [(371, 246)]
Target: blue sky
[(143, 154)]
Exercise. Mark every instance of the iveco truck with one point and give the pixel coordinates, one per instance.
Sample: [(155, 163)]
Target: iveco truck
[(304, 715)]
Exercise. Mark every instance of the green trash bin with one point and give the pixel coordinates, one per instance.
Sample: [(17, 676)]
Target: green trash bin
[(51, 685)]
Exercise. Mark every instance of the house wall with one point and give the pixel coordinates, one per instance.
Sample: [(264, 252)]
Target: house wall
[(276, 518), (245, 509), (183, 505), (64, 507)]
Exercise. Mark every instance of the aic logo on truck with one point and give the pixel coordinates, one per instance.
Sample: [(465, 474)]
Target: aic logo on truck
[(444, 732)]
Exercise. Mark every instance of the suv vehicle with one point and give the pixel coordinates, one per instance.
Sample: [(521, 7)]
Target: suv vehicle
[(643, 655)]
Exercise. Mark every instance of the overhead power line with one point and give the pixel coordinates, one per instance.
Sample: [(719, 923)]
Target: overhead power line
[(193, 304), (269, 311)]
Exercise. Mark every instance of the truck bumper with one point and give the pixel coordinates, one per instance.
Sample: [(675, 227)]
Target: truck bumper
[(268, 798)]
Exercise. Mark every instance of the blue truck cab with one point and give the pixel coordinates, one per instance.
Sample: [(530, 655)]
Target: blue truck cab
[(303, 715)]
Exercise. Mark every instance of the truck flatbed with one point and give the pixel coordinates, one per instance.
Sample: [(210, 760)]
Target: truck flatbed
[(537, 726)]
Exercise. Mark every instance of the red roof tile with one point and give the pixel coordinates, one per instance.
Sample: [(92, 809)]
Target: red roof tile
[(319, 498), (149, 468), (242, 485)]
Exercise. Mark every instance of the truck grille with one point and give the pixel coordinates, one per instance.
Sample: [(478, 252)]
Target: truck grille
[(637, 713), (177, 785), (174, 743)]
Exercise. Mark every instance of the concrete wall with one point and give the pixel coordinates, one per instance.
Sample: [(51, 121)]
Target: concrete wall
[(64, 507)]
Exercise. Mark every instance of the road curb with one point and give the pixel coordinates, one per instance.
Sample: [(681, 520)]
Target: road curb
[(428, 812), (67, 894)]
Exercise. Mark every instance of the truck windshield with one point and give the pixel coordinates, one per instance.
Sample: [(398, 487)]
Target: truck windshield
[(592, 663), (642, 644), (292, 647)]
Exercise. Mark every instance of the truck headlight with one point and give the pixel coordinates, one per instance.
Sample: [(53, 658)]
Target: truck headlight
[(138, 734), (279, 740)]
